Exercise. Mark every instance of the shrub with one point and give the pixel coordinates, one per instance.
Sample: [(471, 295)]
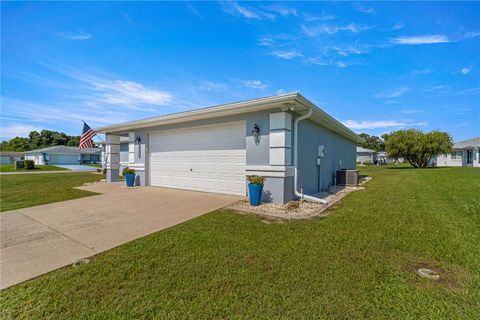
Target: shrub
[(104, 171), (29, 164), (128, 170), (19, 165), (254, 179)]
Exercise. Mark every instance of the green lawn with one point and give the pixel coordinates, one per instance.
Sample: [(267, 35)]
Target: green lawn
[(11, 168), (96, 165), (357, 263), (27, 190)]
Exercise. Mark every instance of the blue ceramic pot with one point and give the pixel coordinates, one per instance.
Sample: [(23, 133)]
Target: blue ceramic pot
[(255, 193), (130, 179)]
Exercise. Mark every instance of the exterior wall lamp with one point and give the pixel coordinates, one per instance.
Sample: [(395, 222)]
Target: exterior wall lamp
[(256, 134)]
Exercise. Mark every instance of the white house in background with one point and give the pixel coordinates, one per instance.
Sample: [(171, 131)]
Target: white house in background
[(9, 157), (63, 155), (464, 154), (366, 155)]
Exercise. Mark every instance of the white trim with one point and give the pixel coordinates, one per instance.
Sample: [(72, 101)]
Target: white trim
[(269, 103)]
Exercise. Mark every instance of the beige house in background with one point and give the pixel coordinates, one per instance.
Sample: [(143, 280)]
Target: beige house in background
[(366, 155), (465, 153)]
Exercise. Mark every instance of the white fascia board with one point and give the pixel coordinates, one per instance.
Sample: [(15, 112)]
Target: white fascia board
[(204, 113)]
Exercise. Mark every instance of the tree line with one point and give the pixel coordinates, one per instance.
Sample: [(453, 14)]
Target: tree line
[(38, 140)]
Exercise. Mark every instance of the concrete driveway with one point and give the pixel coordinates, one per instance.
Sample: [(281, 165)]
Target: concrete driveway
[(40, 239)]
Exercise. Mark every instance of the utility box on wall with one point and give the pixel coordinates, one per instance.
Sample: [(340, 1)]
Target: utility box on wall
[(321, 151)]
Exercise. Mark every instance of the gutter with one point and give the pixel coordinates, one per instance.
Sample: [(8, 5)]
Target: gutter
[(295, 160)]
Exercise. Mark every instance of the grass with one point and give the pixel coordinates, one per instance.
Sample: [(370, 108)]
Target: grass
[(96, 165), (11, 168), (357, 263), (27, 190)]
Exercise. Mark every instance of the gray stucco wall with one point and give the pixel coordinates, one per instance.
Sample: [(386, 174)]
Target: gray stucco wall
[(276, 189), (339, 153)]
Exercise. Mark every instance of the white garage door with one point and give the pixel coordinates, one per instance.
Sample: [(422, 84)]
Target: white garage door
[(207, 158), (63, 159)]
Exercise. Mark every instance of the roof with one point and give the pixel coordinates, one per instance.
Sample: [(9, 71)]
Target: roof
[(11, 154), (469, 143), (294, 102), (65, 150), (360, 149)]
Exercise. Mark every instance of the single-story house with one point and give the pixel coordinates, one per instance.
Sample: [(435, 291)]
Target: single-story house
[(9, 157), (365, 155), (285, 138), (63, 155), (465, 153)]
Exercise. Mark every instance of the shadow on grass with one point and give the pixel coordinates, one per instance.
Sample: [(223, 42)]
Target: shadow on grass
[(413, 168)]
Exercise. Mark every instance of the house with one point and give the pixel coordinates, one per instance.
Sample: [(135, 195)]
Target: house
[(9, 157), (286, 138), (366, 155), (63, 155), (464, 153)]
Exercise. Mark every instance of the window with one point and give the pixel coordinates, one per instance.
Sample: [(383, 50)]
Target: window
[(456, 155)]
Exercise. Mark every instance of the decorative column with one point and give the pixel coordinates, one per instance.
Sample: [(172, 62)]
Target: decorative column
[(112, 150), (131, 147), (280, 139)]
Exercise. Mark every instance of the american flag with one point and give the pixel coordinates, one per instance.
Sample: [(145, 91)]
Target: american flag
[(86, 137)]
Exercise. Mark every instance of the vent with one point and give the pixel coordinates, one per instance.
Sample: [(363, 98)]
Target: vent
[(347, 177)]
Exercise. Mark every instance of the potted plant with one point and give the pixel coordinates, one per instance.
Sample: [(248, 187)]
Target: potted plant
[(255, 188), (129, 175)]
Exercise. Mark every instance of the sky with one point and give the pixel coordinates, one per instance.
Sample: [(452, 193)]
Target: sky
[(375, 66)]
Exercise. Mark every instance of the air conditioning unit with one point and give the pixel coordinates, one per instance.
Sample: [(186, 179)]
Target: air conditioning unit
[(347, 177)]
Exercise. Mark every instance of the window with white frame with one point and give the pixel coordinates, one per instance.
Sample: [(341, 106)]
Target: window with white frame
[(456, 155)]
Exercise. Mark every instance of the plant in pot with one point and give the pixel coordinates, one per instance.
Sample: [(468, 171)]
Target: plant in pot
[(255, 189), (129, 175)]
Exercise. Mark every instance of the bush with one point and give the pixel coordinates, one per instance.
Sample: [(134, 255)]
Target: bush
[(29, 164), (19, 165), (128, 170), (254, 179)]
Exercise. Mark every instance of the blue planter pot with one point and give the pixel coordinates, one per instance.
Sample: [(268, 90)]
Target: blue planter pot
[(255, 194), (130, 179)]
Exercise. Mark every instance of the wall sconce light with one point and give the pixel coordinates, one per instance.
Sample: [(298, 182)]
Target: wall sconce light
[(137, 141), (256, 134)]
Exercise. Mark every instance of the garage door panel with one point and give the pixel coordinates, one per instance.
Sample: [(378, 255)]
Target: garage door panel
[(203, 158)]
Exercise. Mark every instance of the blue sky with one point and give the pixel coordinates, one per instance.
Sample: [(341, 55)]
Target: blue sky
[(377, 67)]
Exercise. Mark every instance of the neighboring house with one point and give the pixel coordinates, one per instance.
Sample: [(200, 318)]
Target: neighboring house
[(214, 149), (9, 157), (366, 155), (63, 155), (464, 153)]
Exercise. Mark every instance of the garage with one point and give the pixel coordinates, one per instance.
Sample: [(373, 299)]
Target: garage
[(205, 158), (63, 159)]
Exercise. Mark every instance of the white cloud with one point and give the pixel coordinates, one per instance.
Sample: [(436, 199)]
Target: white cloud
[(417, 40), (212, 86), (371, 124), (341, 64), (398, 26), (391, 93), (281, 9), (350, 49), (255, 84), (411, 111), (287, 55), (237, 10), (377, 124), (17, 130), (323, 17), (436, 90), (422, 71), (472, 34), (466, 70), (330, 29), (363, 9), (317, 61), (80, 35)]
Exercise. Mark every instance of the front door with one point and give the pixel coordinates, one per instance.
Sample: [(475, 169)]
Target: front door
[(469, 156)]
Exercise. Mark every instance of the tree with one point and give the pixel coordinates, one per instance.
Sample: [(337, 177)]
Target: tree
[(372, 142), (417, 147), (38, 140)]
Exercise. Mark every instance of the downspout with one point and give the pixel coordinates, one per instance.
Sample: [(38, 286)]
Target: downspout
[(295, 159)]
